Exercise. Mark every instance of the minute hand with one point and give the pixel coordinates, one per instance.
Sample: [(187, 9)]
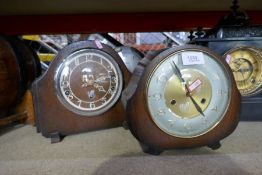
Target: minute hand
[(178, 73)]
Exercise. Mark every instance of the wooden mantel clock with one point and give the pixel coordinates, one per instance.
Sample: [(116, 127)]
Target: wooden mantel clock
[(187, 97), (80, 91)]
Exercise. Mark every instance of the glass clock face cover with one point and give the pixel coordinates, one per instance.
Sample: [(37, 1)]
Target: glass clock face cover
[(246, 63), (188, 93), (89, 82)]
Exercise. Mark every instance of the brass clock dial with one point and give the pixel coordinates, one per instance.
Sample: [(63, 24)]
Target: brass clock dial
[(89, 82), (178, 102), (246, 63)]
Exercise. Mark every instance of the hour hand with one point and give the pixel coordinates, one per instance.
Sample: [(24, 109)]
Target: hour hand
[(198, 108), (99, 88)]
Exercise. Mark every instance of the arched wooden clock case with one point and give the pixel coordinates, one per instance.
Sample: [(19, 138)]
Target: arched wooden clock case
[(56, 115), (152, 138)]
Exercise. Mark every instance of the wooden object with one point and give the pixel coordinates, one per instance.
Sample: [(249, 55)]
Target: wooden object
[(28, 59), (153, 140), (26, 105), (19, 66), (53, 119), (10, 77), (13, 118)]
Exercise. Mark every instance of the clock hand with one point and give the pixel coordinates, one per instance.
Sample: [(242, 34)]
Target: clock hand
[(236, 70), (242, 74), (101, 79), (245, 70), (178, 73), (99, 88), (198, 108)]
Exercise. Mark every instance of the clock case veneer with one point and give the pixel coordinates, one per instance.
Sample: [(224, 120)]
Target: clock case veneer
[(152, 139), (53, 119)]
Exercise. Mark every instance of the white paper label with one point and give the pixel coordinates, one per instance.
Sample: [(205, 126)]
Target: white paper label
[(192, 58), (228, 58), (194, 85), (98, 44)]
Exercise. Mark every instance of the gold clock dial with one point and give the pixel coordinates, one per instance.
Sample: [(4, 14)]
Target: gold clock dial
[(179, 103), (246, 63)]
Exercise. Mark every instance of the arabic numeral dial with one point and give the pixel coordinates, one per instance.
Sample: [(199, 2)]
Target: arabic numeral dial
[(89, 82)]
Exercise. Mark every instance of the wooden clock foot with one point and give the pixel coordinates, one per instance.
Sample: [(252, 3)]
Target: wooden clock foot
[(125, 125), (214, 146), (150, 150), (56, 137)]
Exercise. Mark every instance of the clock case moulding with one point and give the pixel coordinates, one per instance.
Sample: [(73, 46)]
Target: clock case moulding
[(53, 119), (152, 139)]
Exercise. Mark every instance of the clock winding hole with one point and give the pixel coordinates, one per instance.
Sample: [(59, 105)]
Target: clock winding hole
[(173, 102)]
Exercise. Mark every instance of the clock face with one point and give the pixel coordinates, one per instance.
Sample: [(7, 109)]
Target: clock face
[(246, 63), (188, 93), (89, 82)]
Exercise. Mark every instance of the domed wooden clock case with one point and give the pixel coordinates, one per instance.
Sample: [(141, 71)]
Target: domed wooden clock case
[(19, 66), (11, 86), (159, 130), (80, 91)]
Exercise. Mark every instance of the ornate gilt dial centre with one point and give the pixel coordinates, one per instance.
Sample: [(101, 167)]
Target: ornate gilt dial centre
[(246, 63)]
